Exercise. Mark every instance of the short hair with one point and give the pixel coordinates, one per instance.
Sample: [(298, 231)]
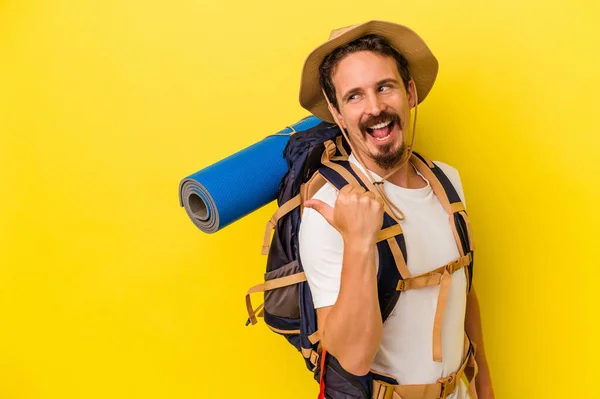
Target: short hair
[(374, 43)]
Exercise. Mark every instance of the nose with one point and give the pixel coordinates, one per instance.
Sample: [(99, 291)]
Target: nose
[(374, 104)]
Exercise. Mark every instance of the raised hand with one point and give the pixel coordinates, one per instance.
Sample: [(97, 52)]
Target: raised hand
[(357, 214)]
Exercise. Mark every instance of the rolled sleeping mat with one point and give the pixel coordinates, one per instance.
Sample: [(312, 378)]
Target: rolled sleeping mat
[(230, 189)]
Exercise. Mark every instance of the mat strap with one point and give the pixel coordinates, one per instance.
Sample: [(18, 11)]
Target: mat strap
[(283, 210)]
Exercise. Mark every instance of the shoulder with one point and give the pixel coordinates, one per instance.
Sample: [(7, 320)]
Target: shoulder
[(312, 220), (327, 194), (315, 232), (454, 177)]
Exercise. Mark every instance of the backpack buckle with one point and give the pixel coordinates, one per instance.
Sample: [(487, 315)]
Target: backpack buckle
[(382, 390), (401, 285), (448, 385)]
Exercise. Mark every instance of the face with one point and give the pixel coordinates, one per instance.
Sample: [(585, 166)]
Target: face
[(374, 106)]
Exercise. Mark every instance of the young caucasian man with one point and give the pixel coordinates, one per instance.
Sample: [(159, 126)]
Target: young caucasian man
[(367, 78)]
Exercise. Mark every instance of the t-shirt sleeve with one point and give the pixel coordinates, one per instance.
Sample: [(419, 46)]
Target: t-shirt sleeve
[(321, 251), (454, 178)]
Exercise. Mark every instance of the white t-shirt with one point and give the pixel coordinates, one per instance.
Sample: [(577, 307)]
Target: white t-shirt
[(406, 347)]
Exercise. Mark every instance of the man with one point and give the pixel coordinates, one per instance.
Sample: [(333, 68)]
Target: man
[(367, 78)]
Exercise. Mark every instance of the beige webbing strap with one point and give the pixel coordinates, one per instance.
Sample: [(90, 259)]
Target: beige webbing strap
[(310, 188), (399, 258), (252, 312), (437, 187), (326, 161), (440, 390), (434, 277), (421, 391), (277, 330), (284, 281), (267, 286), (459, 207), (389, 232), (469, 233), (306, 352), (429, 163), (382, 390), (430, 280), (439, 315), (284, 209), (470, 366), (311, 355), (473, 371), (339, 144), (260, 310), (314, 358), (314, 338)]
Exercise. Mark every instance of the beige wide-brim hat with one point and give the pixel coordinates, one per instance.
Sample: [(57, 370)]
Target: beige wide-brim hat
[(422, 64)]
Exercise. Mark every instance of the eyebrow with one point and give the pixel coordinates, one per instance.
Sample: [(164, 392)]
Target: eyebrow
[(356, 89), (388, 80)]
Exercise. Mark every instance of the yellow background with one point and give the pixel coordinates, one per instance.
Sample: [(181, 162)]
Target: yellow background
[(108, 290)]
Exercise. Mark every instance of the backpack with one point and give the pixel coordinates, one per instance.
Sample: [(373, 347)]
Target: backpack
[(314, 157)]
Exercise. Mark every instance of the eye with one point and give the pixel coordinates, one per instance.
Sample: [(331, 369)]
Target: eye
[(384, 88), (352, 97)]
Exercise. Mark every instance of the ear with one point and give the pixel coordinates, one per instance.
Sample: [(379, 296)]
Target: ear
[(337, 117), (412, 93)]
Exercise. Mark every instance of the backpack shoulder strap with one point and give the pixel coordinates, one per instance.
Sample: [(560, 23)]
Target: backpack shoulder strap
[(448, 196), (441, 184)]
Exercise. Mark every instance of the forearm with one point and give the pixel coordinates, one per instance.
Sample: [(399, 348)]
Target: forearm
[(353, 329), (474, 330)]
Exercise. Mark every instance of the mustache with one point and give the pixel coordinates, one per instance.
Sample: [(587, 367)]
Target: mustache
[(382, 117)]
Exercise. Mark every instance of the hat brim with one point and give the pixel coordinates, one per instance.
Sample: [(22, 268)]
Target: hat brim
[(422, 64)]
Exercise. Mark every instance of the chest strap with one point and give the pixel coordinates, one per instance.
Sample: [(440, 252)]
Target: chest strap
[(441, 276)]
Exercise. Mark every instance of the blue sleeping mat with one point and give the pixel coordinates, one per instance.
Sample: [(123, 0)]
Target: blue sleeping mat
[(228, 190)]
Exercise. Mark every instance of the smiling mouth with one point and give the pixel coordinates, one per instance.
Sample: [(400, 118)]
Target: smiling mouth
[(381, 131)]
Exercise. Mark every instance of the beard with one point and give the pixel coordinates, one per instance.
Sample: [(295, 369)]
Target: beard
[(387, 158)]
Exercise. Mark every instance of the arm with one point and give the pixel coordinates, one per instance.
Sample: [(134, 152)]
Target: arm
[(483, 380), (351, 329)]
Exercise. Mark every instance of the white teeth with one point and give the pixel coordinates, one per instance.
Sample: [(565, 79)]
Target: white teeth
[(381, 138), (380, 125)]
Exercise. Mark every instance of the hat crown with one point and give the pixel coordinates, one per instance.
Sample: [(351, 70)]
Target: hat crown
[(340, 31)]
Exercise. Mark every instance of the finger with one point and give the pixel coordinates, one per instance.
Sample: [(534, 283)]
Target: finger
[(374, 196), (347, 189), (369, 194), (359, 190), (324, 209)]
